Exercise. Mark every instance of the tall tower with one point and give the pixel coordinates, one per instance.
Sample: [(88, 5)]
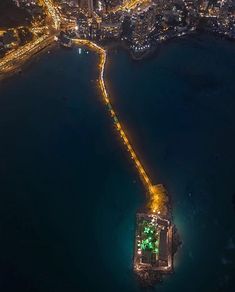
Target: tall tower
[(82, 4), (90, 7), (87, 5)]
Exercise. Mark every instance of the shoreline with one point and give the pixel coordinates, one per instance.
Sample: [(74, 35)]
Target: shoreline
[(154, 50), (109, 45)]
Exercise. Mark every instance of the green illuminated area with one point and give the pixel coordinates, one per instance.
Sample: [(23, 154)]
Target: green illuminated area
[(149, 237)]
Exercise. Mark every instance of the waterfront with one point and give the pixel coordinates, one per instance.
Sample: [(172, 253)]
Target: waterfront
[(69, 191)]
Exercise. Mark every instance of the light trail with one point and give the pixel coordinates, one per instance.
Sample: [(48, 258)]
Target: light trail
[(129, 5), (13, 59), (158, 197), (9, 62), (53, 13)]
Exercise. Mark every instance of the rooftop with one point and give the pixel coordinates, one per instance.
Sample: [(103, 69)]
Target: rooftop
[(153, 245)]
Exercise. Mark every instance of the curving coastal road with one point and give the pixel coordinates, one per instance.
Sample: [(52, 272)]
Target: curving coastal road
[(16, 58)]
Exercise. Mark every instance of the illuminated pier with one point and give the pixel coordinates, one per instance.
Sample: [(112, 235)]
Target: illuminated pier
[(157, 195)]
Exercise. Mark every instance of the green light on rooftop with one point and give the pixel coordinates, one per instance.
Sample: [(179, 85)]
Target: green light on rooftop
[(150, 237), (156, 250), (146, 230)]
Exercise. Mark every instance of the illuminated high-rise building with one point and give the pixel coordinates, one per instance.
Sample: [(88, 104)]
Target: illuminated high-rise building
[(87, 5), (82, 3), (90, 7)]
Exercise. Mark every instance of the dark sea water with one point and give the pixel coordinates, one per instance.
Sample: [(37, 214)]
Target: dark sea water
[(68, 192)]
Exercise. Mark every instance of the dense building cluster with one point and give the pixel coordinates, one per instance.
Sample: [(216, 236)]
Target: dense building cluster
[(140, 25), (147, 23)]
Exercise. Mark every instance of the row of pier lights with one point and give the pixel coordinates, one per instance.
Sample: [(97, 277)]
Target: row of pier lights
[(157, 195)]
